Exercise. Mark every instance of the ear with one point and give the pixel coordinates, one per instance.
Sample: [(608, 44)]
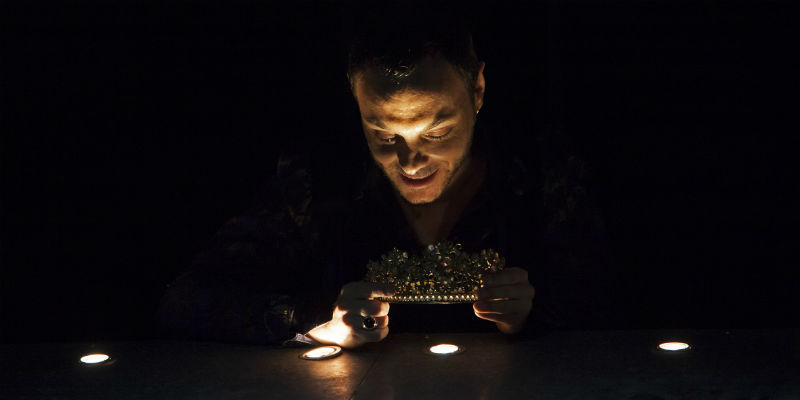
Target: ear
[(480, 88)]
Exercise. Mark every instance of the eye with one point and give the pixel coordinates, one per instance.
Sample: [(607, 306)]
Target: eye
[(437, 134), (384, 137)]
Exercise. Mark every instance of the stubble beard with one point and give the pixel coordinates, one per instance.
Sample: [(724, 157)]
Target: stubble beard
[(446, 185)]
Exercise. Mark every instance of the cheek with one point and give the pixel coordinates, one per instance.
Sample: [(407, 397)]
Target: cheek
[(382, 154), (450, 151), (456, 147)]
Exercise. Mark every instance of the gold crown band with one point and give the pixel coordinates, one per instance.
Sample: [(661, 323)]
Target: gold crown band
[(442, 274)]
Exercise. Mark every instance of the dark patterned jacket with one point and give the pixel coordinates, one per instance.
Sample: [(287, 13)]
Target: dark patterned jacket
[(278, 269)]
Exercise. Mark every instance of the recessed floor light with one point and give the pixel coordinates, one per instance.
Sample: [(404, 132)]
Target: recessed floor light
[(445, 349), (94, 358), (673, 346), (322, 353)]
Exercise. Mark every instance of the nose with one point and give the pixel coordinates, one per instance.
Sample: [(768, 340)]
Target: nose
[(410, 157)]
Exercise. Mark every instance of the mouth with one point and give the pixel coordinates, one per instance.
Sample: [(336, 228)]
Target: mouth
[(418, 182)]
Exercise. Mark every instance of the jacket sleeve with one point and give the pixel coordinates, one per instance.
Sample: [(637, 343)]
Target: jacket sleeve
[(245, 286)]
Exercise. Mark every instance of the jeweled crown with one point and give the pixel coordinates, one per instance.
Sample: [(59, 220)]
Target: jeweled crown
[(442, 273)]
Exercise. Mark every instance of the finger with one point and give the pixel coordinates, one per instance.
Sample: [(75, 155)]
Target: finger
[(508, 276), (518, 291), (355, 323), (382, 322), (352, 320), (373, 308), (366, 290), (501, 307), (375, 335), (505, 318)]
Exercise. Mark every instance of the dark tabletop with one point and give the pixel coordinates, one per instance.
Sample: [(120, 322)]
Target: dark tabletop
[(721, 364)]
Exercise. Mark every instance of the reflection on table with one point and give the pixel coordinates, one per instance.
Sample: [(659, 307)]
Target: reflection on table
[(569, 364)]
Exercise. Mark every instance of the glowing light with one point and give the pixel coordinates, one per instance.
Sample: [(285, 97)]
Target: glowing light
[(445, 349), (94, 358), (322, 353), (673, 346)]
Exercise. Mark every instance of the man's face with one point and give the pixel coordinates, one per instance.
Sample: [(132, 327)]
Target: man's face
[(420, 135)]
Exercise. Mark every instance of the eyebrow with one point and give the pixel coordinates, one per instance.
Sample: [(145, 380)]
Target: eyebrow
[(441, 117)]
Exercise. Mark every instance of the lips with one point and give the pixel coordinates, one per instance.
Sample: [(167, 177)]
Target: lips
[(418, 182)]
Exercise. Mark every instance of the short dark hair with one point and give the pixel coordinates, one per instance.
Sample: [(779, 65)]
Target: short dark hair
[(394, 50)]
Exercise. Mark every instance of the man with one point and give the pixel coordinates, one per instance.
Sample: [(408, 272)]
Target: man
[(434, 177), (419, 129)]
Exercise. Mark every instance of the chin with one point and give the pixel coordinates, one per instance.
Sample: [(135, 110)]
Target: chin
[(415, 199)]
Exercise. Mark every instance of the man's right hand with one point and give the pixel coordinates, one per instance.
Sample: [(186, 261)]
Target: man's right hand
[(353, 305)]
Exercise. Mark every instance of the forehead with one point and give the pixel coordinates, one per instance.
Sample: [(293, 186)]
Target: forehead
[(407, 105), (434, 85)]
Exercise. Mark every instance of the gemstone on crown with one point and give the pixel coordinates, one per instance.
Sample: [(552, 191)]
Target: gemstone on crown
[(442, 274)]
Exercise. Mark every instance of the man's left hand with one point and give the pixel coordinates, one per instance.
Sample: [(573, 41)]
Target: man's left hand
[(505, 299)]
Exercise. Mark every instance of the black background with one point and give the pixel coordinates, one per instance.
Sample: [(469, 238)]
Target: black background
[(131, 131)]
